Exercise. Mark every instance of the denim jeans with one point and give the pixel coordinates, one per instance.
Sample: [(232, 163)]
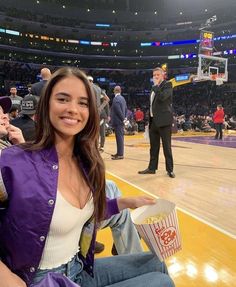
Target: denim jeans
[(124, 233), (131, 270)]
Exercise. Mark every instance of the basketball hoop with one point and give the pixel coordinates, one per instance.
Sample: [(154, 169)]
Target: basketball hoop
[(218, 78)]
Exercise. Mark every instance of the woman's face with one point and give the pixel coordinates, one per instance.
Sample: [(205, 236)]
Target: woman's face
[(4, 123), (69, 107)]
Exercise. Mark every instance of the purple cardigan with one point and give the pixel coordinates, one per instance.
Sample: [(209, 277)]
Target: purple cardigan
[(28, 187)]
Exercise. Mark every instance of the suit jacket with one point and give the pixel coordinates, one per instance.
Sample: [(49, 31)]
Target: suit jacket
[(118, 110), (162, 104), (37, 88)]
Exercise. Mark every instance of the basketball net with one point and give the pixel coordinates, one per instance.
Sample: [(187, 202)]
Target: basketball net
[(218, 78), (219, 82)]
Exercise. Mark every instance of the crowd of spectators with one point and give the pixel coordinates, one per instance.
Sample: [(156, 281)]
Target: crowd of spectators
[(199, 123), (193, 104)]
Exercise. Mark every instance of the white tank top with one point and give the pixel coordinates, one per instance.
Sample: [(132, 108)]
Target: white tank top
[(62, 242)]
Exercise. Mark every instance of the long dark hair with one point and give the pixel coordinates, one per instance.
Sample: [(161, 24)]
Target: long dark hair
[(86, 141)]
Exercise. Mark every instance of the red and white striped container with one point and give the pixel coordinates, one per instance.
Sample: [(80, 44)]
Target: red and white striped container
[(163, 237)]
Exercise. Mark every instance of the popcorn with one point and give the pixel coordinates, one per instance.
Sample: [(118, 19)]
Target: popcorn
[(154, 219)]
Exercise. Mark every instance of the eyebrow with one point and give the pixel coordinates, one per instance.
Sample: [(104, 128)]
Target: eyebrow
[(68, 95), (62, 94)]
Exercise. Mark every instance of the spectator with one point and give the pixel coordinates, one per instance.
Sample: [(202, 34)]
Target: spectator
[(8, 133), (26, 122), (218, 119), (13, 113), (62, 206), (99, 247), (15, 99), (118, 114), (36, 88), (104, 118), (139, 118)]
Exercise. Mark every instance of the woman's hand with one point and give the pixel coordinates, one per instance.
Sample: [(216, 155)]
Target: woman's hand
[(15, 135), (134, 202), (9, 279)]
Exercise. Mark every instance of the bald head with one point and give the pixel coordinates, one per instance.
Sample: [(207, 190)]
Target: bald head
[(45, 74), (117, 90)]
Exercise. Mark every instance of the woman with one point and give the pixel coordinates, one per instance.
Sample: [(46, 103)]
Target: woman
[(53, 192), (218, 119)]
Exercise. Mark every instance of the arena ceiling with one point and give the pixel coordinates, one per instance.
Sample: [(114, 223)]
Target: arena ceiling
[(77, 19), (147, 5), (163, 9)]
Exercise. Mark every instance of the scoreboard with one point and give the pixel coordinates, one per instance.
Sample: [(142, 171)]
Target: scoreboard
[(206, 44)]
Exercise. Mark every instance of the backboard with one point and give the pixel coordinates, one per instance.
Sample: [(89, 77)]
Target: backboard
[(212, 68)]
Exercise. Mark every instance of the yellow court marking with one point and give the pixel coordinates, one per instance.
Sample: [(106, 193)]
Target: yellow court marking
[(207, 257)]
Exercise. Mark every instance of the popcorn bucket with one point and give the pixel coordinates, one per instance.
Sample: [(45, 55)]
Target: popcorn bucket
[(161, 235)]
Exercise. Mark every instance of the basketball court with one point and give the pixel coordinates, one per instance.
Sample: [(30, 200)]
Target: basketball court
[(228, 141), (204, 193), (204, 188)]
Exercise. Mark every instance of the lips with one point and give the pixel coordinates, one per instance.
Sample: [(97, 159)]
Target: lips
[(69, 121)]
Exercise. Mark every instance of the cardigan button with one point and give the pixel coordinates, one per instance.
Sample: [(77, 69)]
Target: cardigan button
[(42, 238), (32, 269), (51, 202), (55, 166)]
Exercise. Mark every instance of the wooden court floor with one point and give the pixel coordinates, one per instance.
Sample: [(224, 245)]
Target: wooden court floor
[(204, 192)]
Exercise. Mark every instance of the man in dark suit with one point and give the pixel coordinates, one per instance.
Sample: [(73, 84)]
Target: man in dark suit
[(160, 123), (118, 114), (37, 88)]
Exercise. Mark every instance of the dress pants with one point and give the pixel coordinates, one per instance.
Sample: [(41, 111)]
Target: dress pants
[(119, 134), (163, 133)]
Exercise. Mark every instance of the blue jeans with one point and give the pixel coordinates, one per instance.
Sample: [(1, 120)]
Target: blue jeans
[(124, 233), (131, 270)]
